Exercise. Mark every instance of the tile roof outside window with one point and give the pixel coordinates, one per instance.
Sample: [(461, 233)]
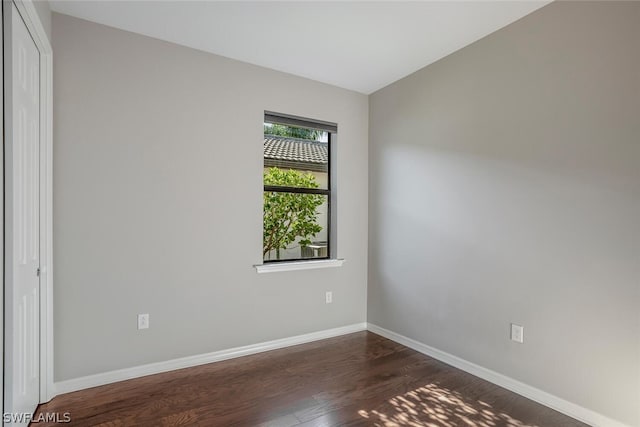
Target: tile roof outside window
[(304, 152)]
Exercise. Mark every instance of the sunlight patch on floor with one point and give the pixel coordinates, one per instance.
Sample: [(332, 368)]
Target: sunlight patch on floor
[(435, 406)]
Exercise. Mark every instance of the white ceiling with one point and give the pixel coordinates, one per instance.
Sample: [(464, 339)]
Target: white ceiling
[(358, 45)]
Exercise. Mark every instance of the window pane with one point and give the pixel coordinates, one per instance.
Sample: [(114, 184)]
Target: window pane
[(295, 226), (302, 156)]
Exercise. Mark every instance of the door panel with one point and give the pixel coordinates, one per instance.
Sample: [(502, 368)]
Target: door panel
[(22, 339)]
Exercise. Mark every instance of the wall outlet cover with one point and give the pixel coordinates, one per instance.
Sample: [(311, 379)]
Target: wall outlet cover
[(143, 321), (517, 333)]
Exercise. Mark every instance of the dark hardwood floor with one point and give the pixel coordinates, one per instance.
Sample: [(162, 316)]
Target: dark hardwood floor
[(352, 380)]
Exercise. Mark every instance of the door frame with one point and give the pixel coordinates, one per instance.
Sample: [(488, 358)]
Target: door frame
[(30, 17)]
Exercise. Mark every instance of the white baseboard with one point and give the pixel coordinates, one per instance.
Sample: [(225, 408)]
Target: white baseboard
[(571, 409), (201, 359)]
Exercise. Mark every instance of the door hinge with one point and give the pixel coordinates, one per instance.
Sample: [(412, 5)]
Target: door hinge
[(38, 272)]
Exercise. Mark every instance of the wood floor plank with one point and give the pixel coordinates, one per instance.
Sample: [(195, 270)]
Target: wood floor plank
[(359, 379)]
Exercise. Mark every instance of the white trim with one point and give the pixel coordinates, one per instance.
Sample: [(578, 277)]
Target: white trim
[(31, 19), (571, 409), (298, 265), (2, 216), (201, 359)]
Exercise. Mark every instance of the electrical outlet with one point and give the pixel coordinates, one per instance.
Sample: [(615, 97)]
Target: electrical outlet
[(143, 321), (329, 297), (517, 333)]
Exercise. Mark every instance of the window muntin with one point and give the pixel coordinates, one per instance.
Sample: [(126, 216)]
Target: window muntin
[(297, 189)]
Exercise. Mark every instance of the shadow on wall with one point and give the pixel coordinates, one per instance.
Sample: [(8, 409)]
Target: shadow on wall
[(435, 406)]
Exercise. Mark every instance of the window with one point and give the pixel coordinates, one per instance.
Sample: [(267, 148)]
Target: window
[(297, 188)]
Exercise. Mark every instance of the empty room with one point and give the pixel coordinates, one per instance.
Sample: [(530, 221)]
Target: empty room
[(321, 213)]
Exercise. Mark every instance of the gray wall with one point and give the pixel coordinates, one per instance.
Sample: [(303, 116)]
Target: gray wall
[(505, 187), (158, 202)]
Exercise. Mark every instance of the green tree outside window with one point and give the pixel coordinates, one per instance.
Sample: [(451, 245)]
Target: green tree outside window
[(289, 216)]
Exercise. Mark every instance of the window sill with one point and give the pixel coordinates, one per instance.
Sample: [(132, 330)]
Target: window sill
[(298, 265)]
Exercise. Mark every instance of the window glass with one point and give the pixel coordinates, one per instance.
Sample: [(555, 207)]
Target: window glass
[(297, 191)]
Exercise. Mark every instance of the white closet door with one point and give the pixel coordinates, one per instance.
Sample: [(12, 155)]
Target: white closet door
[(22, 369)]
